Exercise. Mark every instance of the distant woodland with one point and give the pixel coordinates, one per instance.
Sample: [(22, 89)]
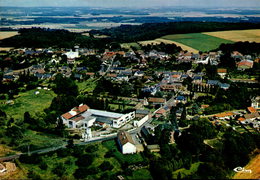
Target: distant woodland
[(44, 38), (148, 31)]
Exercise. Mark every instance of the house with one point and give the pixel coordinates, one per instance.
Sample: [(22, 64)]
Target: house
[(218, 83), (197, 79), (76, 118), (256, 102), (139, 73), (72, 55), (180, 99), (161, 112), (126, 143), (222, 72), (236, 55), (245, 64)]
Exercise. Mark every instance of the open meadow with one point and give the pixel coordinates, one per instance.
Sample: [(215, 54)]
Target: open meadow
[(238, 35), (28, 101), (198, 41)]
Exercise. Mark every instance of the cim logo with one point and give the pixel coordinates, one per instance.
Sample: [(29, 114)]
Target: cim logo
[(241, 169)]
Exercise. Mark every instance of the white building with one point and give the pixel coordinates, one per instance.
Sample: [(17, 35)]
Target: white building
[(256, 102), (72, 55), (84, 117), (126, 143)]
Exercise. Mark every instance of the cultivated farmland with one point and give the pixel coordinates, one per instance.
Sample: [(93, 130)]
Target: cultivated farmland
[(237, 35), (160, 40), (7, 34)]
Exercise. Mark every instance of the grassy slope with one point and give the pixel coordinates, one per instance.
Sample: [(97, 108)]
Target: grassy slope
[(197, 41), (28, 101), (185, 172), (253, 165)]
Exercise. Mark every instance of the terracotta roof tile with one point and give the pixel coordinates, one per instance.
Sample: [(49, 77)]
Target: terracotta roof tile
[(251, 109), (156, 100)]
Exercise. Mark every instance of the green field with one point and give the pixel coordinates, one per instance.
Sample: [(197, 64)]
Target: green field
[(28, 101), (128, 45), (199, 41)]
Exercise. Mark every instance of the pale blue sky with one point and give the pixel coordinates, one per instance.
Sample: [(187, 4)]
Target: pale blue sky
[(132, 3)]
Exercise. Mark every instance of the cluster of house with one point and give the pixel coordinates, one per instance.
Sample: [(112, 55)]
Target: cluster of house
[(244, 61), (251, 117)]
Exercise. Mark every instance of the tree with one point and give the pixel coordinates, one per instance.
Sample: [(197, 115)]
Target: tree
[(106, 165), (70, 143), (59, 170), (27, 117), (173, 118), (65, 86)]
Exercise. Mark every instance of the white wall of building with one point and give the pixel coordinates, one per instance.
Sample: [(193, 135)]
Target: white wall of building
[(128, 148), (123, 119)]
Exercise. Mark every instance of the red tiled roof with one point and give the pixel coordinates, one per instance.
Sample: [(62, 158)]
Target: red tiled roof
[(169, 87), (156, 100), (176, 76), (251, 109), (90, 73), (83, 108), (111, 75), (222, 70), (245, 63), (241, 119), (225, 114), (161, 111), (67, 115), (76, 119), (204, 106), (78, 110)]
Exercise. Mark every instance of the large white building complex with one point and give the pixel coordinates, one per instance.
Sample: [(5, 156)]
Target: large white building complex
[(84, 117)]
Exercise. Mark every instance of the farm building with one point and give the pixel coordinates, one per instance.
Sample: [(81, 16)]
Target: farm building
[(126, 142)]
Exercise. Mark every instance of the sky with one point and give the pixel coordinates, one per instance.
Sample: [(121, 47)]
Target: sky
[(131, 3)]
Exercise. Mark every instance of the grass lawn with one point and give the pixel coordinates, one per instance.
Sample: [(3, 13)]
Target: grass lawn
[(39, 140), (128, 45), (140, 174), (86, 86), (198, 41), (185, 172), (28, 101)]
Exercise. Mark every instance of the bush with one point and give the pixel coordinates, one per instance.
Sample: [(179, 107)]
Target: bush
[(43, 165), (106, 165), (84, 160), (91, 148), (32, 159), (80, 173)]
